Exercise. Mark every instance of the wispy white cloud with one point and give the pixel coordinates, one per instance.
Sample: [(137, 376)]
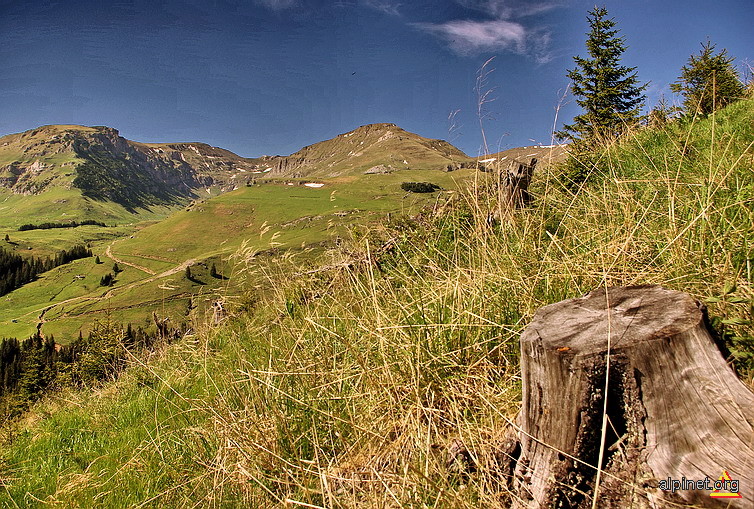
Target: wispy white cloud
[(466, 37), (533, 8), (538, 45), (493, 8), (503, 32), (384, 6), (506, 9)]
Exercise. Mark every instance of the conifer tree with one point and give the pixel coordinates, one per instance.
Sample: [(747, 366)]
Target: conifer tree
[(102, 353), (608, 92), (708, 82)]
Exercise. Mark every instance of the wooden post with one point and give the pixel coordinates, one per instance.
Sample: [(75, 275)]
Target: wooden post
[(163, 330), (675, 410)]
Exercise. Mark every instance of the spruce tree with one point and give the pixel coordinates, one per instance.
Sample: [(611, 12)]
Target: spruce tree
[(708, 82), (102, 353), (608, 92)]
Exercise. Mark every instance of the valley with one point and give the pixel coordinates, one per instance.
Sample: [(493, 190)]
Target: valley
[(225, 204)]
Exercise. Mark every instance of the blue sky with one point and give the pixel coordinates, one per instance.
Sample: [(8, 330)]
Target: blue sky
[(270, 76)]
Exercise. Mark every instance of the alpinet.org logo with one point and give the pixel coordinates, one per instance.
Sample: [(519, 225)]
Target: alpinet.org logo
[(724, 487)]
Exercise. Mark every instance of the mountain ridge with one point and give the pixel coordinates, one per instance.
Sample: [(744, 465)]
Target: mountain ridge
[(66, 171), (24, 156), (367, 146)]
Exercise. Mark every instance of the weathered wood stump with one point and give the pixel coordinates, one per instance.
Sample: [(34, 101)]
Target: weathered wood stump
[(515, 184), (675, 409)]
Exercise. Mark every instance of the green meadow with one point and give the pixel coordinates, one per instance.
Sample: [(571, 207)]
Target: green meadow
[(280, 213), (270, 216)]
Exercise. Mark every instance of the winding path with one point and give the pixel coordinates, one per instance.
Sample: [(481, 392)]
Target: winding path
[(110, 292), (109, 254)]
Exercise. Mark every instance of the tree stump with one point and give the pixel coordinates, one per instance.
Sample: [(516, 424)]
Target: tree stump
[(675, 409), (515, 184)]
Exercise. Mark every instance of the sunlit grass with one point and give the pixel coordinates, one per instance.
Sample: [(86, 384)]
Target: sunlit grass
[(384, 374)]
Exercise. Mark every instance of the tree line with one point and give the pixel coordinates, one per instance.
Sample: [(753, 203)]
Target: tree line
[(419, 187), (16, 271), (69, 224), (31, 367), (612, 97)]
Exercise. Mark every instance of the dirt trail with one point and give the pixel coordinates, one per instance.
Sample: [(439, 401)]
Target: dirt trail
[(109, 254), (169, 272), (41, 316), (108, 294), (110, 309)]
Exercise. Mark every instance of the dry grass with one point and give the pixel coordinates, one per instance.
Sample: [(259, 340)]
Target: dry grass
[(396, 369)]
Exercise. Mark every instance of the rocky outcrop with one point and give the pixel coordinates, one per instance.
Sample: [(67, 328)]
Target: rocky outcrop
[(106, 166), (289, 165), (221, 167), (379, 169)]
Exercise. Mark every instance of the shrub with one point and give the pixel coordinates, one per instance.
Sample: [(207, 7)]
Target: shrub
[(419, 187)]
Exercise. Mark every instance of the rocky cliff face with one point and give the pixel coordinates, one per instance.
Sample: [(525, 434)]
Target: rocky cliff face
[(106, 166), (124, 172), (213, 165)]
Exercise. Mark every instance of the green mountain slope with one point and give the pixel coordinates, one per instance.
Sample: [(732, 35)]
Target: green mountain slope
[(385, 146), (190, 204), (270, 217), (140, 187), (64, 172)]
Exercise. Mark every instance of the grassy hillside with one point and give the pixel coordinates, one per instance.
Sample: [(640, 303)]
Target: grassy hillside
[(361, 383), (368, 146), (269, 216), (92, 173), (281, 213), (39, 177), (64, 172), (60, 205)]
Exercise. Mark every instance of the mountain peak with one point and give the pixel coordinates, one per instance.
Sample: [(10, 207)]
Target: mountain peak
[(382, 126), (97, 163), (371, 128), (365, 147)]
